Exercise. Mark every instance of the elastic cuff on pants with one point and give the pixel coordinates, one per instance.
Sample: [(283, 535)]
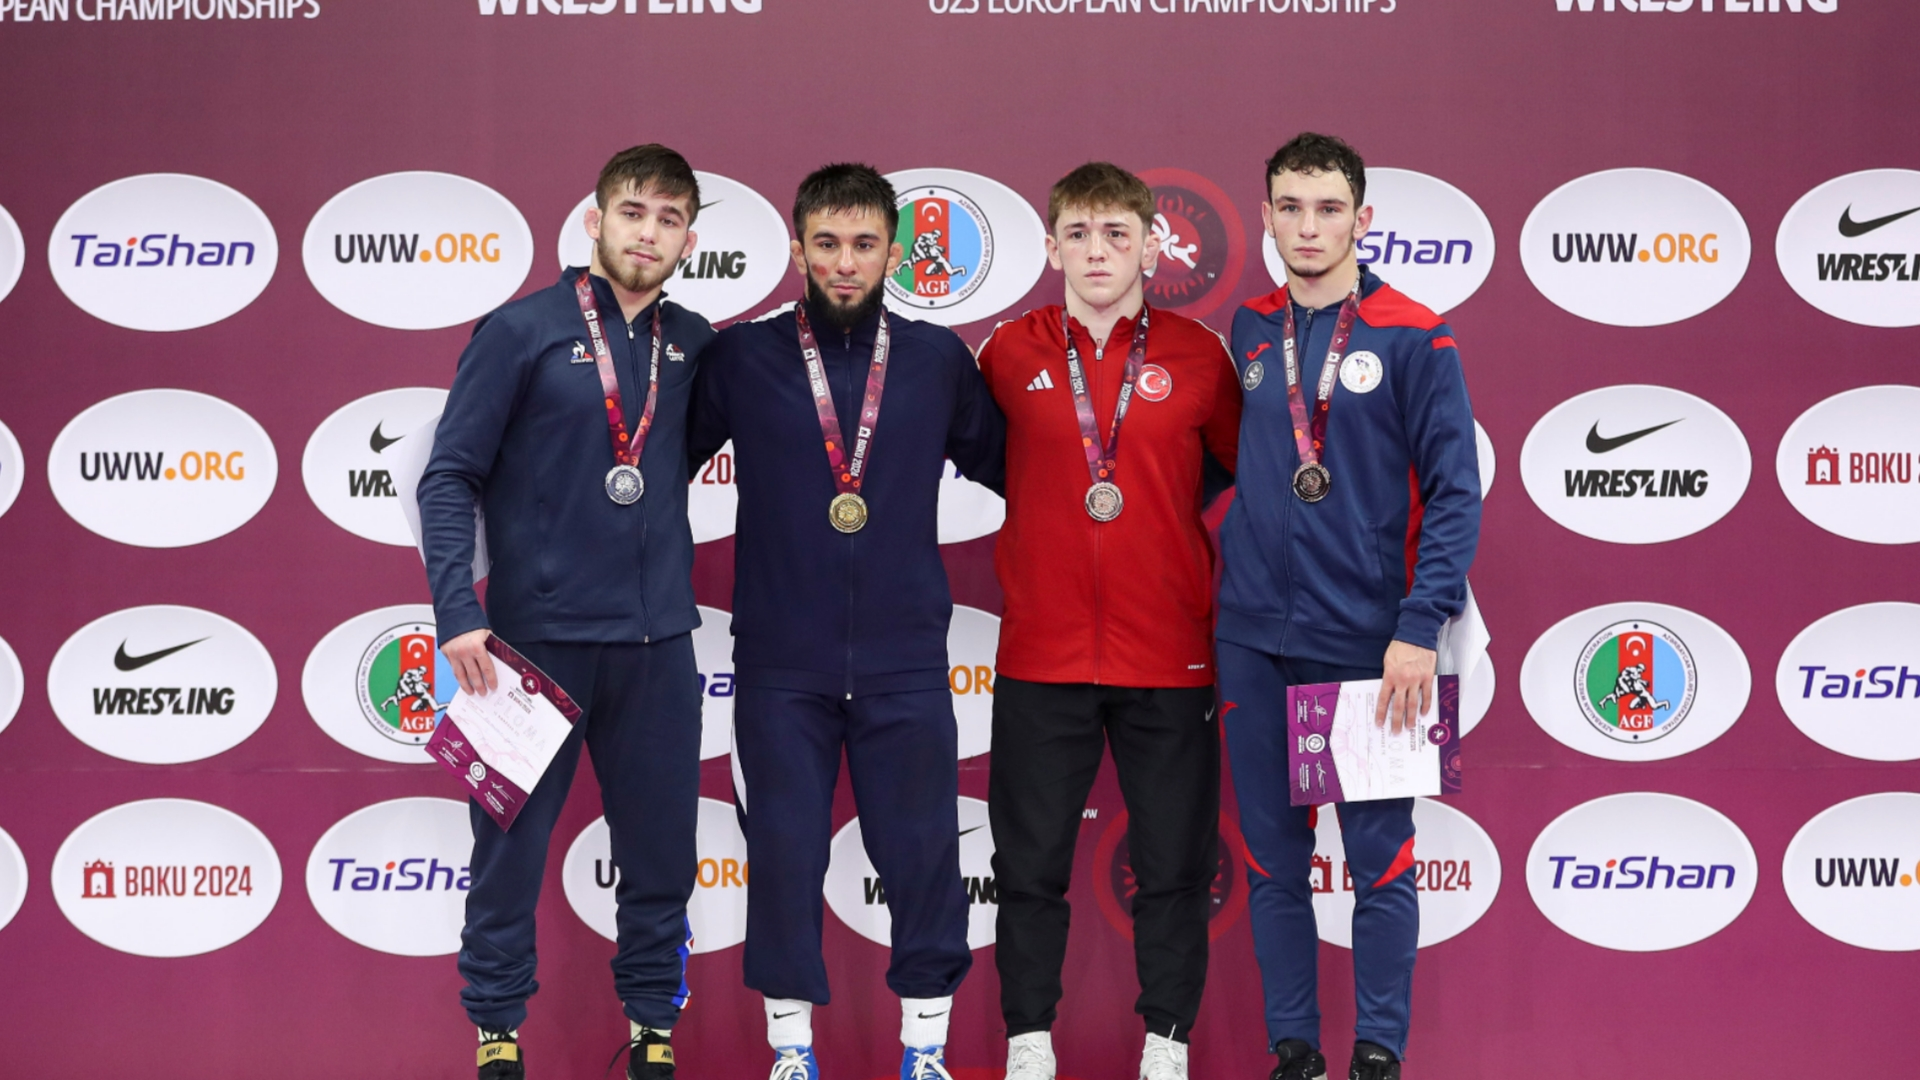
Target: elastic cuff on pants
[(656, 1015), (1167, 1030), (505, 1020), (923, 1021), (1014, 1031)]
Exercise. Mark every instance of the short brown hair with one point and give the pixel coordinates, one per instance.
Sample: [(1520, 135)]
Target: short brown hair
[(1311, 152), (651, 166), (1100, 185)]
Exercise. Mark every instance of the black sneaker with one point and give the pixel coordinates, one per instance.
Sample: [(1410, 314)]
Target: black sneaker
[(1298, 1061), (1372, 1061), (500, 1058), (649, 1057)]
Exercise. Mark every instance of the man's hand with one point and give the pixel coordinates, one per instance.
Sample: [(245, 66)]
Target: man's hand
[(473, 666), (1407, 682)]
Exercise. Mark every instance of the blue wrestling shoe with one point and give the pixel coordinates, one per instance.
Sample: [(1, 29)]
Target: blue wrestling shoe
[(924, 1063), (795, 1063)]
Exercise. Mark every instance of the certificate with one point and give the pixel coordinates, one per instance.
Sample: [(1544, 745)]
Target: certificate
[(500, 744), (1337, 752)]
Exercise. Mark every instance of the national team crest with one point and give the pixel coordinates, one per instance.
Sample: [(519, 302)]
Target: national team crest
[(1155, 384), (403, 683), (949, 248), (1635, 681)]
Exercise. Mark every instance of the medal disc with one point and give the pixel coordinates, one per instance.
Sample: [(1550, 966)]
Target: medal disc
[(1311, 481), (847, 512), (1104, 501), (624, 485)]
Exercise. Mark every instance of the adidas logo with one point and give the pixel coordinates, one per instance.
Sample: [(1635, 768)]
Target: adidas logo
[(1043, 381)]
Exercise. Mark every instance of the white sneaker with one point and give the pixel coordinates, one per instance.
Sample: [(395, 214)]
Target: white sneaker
[(1163, 1059), (1030, 1056)]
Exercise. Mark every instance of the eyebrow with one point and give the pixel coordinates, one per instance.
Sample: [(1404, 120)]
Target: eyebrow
[(829, 234)]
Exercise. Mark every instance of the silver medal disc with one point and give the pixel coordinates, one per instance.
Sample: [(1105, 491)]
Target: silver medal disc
[(1311, 481), (624, 484), (1104, 502)]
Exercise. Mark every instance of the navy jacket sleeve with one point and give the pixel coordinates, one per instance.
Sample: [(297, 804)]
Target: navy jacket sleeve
[(488, 382), (1439, 421), (708, 428), (977, 438)]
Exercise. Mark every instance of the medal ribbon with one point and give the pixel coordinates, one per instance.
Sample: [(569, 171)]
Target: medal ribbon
[(848, 469), (1310, 435), (1102, 459), (626, 451)]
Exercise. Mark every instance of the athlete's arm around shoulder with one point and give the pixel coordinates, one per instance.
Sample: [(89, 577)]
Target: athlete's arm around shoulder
[(1432, 395), (977, 433), (709, 423)]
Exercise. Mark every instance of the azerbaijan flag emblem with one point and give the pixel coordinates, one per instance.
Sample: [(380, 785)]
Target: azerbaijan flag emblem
[(1636, 681)]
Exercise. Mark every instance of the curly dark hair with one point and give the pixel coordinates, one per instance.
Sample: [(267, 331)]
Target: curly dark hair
[(1313, 152), (844, 187)]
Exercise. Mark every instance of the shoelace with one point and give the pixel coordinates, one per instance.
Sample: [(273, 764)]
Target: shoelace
[(633, 1044), (1024, 1057), (927, 1065), (1164, 1059), (791, 1065)]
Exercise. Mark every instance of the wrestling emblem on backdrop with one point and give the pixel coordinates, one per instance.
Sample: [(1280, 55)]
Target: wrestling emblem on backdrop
[(1203, 244)]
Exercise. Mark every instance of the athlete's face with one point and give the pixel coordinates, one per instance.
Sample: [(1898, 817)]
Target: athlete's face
[(1104, 253), (847, 257), (1313, 221), (640, 237)]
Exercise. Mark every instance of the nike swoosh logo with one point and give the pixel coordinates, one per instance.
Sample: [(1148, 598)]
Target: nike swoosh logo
[(134, 663), (783, 1016), (715, 202), (976, 828), (380, 442), (1850, 227), (929, 1016), (1599, 445)]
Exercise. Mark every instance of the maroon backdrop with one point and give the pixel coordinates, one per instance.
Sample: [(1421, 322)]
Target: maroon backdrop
[(1504, 98)]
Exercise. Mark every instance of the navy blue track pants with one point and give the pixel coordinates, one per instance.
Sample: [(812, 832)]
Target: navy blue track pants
[(902, 755), (1379, 842), (641, 722)]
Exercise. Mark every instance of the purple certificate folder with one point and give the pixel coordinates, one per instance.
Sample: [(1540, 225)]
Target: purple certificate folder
[(1336, 752), (513, 735)]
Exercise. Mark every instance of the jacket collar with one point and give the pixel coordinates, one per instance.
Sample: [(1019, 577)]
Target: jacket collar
[(603, 296)]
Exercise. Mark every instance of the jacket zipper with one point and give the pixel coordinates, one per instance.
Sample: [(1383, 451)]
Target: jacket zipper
[(846, 346), (647, 636), (1099, 631)]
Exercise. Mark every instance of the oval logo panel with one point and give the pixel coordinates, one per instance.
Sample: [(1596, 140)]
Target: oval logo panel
[(1456, 874), (1483, 455), (347, 468), (1853, 872), (1429, 239), (713, 498), (1635, 682), (713, 656), (1851, 247), (13, 468), (972, 246), (163, 684), (740, 251), (13, 253), (394, 876), (717, 910), (162, 252), (1851, 682), (166, 877), (417, 250), (857, 897), (377, 683), (162, 468), (1848, 465), (1476, 694), (1635, 247), (1635, 464), (13, 684), (13, 879), (973, 645), (967, 511), (1641, 872), (1203, 245)]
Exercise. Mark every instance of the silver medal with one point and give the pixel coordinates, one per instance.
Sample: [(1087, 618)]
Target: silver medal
[(1104, 501), (624, 484)]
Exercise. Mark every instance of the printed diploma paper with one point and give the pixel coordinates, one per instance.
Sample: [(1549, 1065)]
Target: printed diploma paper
[(1337, 752), (501, 744)]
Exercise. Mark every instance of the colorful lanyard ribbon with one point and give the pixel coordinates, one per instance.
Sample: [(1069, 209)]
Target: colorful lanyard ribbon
[(848, 512), (1102, 458), (626, 451), (1310, 436)]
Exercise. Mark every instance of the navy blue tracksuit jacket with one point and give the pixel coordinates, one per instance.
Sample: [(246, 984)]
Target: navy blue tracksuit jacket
[(816, 610)]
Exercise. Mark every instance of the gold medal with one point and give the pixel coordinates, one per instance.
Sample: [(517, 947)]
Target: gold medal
[(847, 512)]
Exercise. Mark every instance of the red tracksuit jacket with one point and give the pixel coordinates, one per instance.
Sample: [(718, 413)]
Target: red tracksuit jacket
[(1128, 602)]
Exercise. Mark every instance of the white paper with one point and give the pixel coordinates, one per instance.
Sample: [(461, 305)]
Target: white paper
[(408, 465), (1371, 761), (1463, 641), (514, 732)]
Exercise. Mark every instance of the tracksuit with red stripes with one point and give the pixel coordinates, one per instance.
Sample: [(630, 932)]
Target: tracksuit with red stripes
[(1315, 592)]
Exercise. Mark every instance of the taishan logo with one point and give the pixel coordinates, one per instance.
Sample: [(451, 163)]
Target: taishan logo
[(160, 249), (1639, 872), (1851, 681), (406, 874), (1822, 7)]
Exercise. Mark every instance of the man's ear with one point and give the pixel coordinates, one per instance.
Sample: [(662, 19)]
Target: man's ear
[(591, 219), (894, 254), (799, 256), (1150, 251), (1362, 222), (1053, 253)]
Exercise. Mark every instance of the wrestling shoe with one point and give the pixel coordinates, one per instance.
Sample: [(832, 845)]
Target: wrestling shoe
[(1372, 1061), (649, 1056), (924, 1063), (1030, 1057), (500, 1057), (1163, 1059), (795, 1063), (1298, 1061)]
